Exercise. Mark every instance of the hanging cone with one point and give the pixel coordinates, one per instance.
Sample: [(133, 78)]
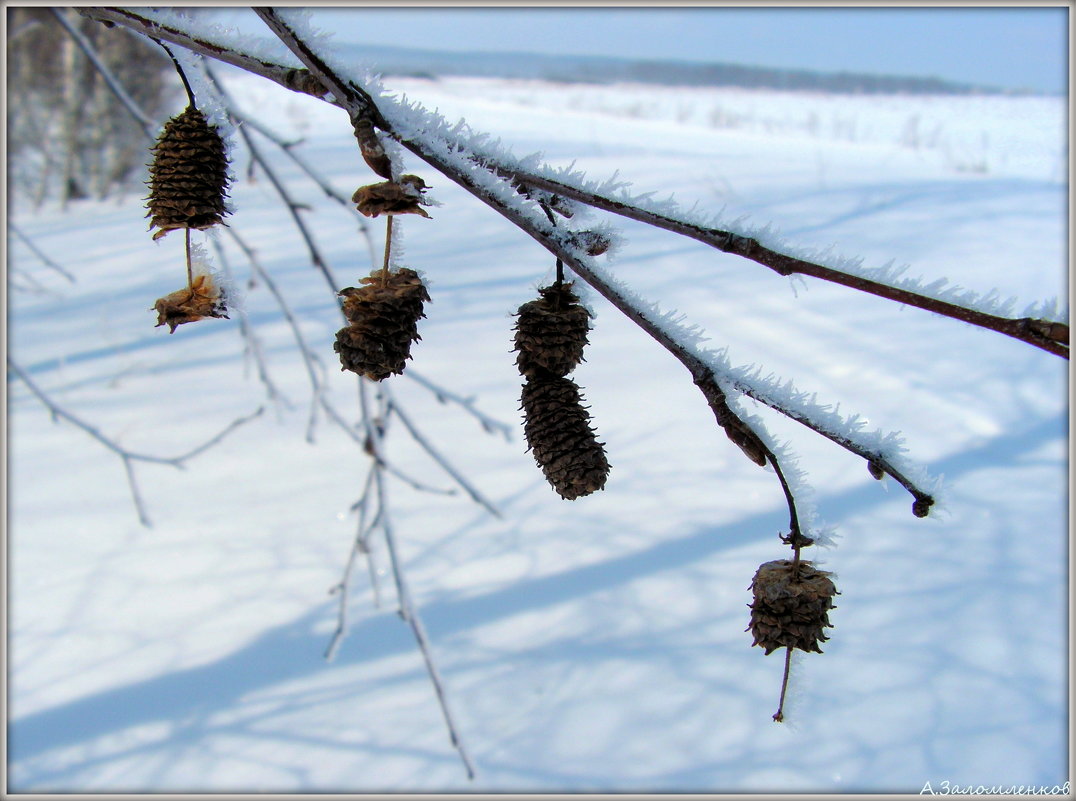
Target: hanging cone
[(189, 175), (383, 322), (558, 431), (789, 609), (551, 332)]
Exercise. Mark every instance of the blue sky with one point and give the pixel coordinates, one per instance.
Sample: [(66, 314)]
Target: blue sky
[(1015, 47)]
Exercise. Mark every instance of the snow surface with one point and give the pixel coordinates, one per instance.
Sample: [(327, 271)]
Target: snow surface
[(595, 645)]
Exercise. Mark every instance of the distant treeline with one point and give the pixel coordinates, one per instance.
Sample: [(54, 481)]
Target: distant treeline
[(593, 69)]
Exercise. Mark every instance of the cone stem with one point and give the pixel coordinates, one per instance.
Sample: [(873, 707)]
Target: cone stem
[(780, 714), (182, 75), (388, 250), (190, 270)]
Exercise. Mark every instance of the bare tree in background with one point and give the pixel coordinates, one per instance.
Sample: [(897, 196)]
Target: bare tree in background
[(68, 133)]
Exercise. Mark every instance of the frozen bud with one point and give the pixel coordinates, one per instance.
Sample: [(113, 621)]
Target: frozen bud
[(592, 242), (302, 80), (875, 470), (921, 506), (373, 152)]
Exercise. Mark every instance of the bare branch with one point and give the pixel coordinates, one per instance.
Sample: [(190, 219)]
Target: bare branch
[(1051, 337), (443, 395), (476, 496), (128, 456), (309, 357), (11, 226), (143, 119), (298, 80), (289, 150), (411, 616), (253, 346), (359, 545)]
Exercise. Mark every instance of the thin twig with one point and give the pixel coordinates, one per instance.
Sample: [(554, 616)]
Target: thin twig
[(143, 119), (780, 714), (192, 102), (489, 424), (1051, 336), (253, 345), (411, 616), (128, 456), (343, 588), (476, 496), (288, 148), (293, 209), (309, 357), (11, 226)]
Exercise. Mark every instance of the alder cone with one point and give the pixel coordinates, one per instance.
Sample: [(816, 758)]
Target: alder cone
[(551, 332), (383, 317), (789, 609), (189, 175), (558, 432)]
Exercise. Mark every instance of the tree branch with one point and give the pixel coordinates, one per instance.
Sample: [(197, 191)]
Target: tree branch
[(298, 80), (37, 252), (128, 456), (1048, 335), (359, 104)]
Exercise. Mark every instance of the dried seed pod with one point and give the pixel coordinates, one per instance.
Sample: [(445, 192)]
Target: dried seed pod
[(791, 606), (551, 332), (391, 197), (189, 175), (383, 317), (190, 304), (373, 152), (558, 432)]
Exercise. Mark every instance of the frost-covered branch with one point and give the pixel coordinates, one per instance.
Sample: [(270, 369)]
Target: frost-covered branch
[(288, 148), (429, 139), (560, 190), (127, 456), (1048, 335), (296, 79)]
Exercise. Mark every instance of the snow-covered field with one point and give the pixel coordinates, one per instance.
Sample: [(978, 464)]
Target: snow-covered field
[(595, 645)]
